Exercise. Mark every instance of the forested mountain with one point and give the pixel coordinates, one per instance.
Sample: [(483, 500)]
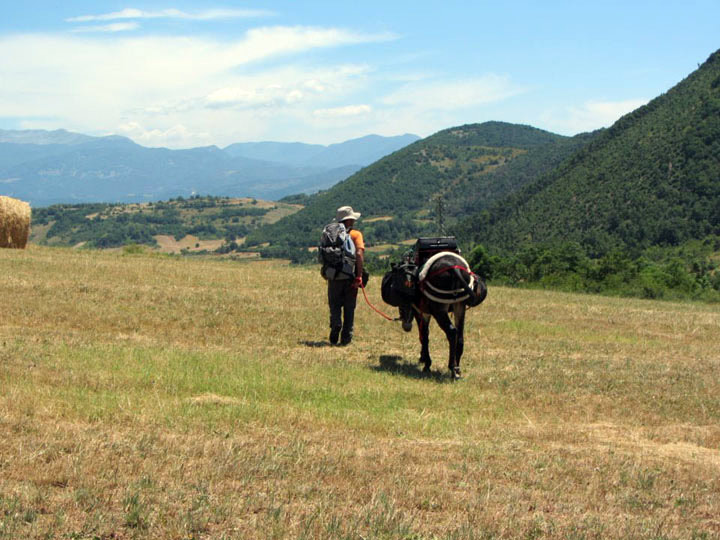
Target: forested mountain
[(652, 179), (468, 167)]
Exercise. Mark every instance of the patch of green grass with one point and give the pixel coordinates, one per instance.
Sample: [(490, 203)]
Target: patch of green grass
[(133, 384)]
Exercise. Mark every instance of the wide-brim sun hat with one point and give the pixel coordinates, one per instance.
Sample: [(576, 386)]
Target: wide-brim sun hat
[(346, 212)]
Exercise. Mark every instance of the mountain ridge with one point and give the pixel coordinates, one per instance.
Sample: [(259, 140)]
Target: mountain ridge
[(361, 151), (43, 137), (457, 164), (52, 167)]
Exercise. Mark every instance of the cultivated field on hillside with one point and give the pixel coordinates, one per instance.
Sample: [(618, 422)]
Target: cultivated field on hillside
[(175, 226), (147, 396)]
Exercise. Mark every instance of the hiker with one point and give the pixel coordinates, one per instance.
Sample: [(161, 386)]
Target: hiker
[(343, 287)]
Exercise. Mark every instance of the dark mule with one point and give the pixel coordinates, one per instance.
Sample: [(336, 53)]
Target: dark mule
[(446, 285)]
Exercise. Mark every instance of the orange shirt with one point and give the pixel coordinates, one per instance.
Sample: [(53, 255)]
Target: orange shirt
[(357, 238)]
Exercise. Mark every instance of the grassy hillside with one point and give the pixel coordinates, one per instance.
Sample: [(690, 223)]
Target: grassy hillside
[(652, 179), (198, 223), (146, 396), (468, 166)]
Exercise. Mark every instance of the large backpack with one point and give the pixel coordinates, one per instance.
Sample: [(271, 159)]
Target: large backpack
[(336, 252)]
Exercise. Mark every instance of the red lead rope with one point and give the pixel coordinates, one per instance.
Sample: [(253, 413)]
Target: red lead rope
[(373, 307), (447, 268)]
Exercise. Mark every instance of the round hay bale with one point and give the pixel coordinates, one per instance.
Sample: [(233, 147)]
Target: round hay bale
[(14, 223)]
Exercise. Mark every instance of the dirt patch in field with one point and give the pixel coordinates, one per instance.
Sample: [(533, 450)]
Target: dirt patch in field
[(663, 443), (214, 399), (247, 201), (380, 248), (379, 218), (38, 233), (168, 244)]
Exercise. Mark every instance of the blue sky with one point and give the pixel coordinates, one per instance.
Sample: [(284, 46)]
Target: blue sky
[(182, 74)]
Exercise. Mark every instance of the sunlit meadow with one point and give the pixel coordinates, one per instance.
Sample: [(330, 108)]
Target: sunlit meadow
[(150, 396)]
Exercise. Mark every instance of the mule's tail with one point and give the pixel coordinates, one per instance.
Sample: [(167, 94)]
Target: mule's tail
[(466, 287), (474, 298), (480, 296)]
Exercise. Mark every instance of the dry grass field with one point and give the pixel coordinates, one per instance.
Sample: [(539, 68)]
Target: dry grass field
[(147, 396)]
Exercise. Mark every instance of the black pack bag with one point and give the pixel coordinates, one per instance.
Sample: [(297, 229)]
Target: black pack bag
[(427, 247), (336, 252), (399, 285)]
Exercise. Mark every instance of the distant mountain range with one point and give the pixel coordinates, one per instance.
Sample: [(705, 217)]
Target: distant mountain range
[(49, 167)]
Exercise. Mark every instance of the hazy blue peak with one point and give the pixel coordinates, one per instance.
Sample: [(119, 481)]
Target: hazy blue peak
[(361, 151), (48, 167), (294, 153), (41, 136)]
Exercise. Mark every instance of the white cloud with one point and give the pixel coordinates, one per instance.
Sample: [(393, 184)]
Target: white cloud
[(590, 115), (337, 112), (212, 14), (252, 96), (273, 89), (177, 135), (453, 95), (114, 27), (604, 113), (267, 41), (92, 85)]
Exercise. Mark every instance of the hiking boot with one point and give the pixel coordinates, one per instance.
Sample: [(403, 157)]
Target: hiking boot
[(334, 335), (346, 340)]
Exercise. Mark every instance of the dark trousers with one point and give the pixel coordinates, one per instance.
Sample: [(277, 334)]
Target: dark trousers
[(342, 297)]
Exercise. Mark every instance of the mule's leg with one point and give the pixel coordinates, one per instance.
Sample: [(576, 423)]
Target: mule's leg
[(423, 324), (443, 319), (459, 316)]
